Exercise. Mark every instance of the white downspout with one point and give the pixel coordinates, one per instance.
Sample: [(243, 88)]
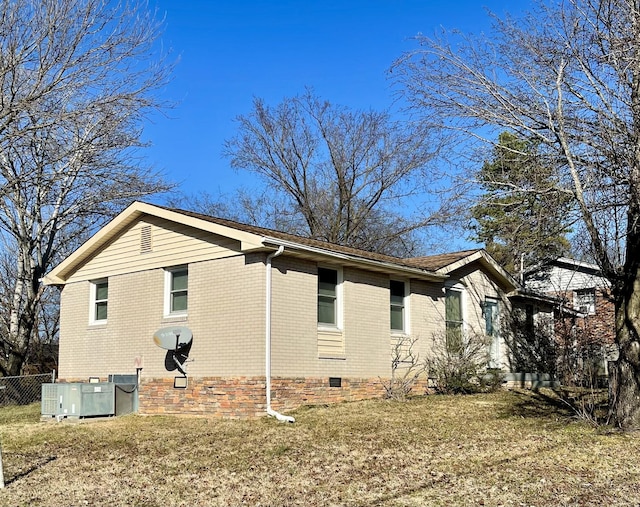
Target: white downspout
[(270, 411)]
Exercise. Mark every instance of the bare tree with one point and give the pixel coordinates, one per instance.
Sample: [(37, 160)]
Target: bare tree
[(567, 76), (347, 177), (76, 79)]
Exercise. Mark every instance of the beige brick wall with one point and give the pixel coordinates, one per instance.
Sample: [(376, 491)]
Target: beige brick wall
[(427, 314), (226, 316), (365, 327), (225, 341)]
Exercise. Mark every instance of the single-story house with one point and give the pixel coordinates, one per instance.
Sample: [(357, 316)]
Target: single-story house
[(225, 318)]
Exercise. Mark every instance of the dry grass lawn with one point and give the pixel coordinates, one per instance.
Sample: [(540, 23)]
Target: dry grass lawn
[(515, 449)]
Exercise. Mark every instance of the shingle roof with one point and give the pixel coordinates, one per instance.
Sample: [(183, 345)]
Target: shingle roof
[(435, 262), (324, 245), (253, 237)]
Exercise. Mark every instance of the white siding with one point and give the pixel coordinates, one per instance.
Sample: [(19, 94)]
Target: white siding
[(559, 279)]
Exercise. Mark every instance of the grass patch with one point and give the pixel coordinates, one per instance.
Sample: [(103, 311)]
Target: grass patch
[(506, 448), (20, 413)]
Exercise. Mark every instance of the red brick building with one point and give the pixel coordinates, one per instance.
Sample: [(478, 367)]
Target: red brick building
[(584, 324)]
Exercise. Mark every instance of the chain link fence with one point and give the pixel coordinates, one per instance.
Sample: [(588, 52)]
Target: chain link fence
[(23, 390)]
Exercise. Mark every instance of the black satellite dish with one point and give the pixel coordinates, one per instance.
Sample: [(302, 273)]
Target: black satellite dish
[(177, 342)]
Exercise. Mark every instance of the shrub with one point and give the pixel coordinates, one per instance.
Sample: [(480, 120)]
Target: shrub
[(406, 369), (460, 366)]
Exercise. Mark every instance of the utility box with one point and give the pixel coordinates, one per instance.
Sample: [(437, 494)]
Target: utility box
[(126, 393), (78, 399)]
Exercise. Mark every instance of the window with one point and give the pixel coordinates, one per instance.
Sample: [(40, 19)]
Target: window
[(529, 320), (585, 301), (328, 297), (99, 301), (398, 307), (454, 320), (176, 292), (492, 331)]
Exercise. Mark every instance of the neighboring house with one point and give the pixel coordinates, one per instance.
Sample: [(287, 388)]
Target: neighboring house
[(263, 320), (586, 335)]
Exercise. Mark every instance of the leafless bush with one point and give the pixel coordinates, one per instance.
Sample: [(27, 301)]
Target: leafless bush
[(458, 366), (582, 354), (531, 345), (589, 404), (406, 369)]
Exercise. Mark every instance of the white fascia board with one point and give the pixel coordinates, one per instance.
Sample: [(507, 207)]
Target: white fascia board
[(460, 263), (355, 260), (58, 275), (489, 262)]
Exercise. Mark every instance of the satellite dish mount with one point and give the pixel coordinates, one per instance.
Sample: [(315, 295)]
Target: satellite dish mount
[(177, 342)]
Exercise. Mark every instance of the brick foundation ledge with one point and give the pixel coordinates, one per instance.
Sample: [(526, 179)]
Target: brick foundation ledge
[(244, 397)]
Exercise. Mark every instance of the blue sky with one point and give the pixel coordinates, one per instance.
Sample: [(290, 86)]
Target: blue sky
[(233, 50)]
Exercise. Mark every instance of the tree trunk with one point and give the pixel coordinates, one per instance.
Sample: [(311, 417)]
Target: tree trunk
[(624, 401), (22, 314), (625, 389)]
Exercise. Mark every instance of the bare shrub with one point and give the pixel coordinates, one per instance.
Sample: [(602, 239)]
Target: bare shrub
[(531, 343), (459, 366), (582, 354), (406, 369)]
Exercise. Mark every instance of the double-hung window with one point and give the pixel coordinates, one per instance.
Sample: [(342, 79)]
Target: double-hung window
[(99, 301), (585, 300), (454, 318), (328, 297), (176, 290), (492, 331), (398, 309)]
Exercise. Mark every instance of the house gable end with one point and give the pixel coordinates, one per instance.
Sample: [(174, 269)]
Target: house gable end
[(134, 214), (152, 242)]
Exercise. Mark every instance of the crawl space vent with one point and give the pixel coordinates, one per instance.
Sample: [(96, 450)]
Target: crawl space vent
[(335, 381)]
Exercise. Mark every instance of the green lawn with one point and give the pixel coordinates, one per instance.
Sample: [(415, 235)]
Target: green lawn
[(516, 449)]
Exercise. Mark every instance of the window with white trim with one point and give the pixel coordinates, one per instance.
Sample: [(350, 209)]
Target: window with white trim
[(491, 315), (329, 297), (585, 300), (398, 306), (99, 301), (454, 319), (176, 291)]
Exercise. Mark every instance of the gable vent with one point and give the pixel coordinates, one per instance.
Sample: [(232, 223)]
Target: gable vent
[(145, 239)]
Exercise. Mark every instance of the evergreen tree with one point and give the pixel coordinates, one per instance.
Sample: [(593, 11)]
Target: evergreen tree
[(512, 217)]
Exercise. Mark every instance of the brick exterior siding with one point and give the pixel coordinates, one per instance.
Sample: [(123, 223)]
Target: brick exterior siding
[(595, 328), (245, 397)]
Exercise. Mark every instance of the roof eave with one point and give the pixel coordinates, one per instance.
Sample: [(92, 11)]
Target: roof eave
[(355, 260), (249, 242), (58, 276), (509, 284)]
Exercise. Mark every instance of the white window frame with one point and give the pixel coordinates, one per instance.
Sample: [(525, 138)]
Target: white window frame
[(93, 301), (339, 300), (579, 300), (495, 346), (168, 278), (457, 287), (405, 307)]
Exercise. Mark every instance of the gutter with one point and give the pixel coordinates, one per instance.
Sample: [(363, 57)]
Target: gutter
[(267, 321), (353, 259)]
